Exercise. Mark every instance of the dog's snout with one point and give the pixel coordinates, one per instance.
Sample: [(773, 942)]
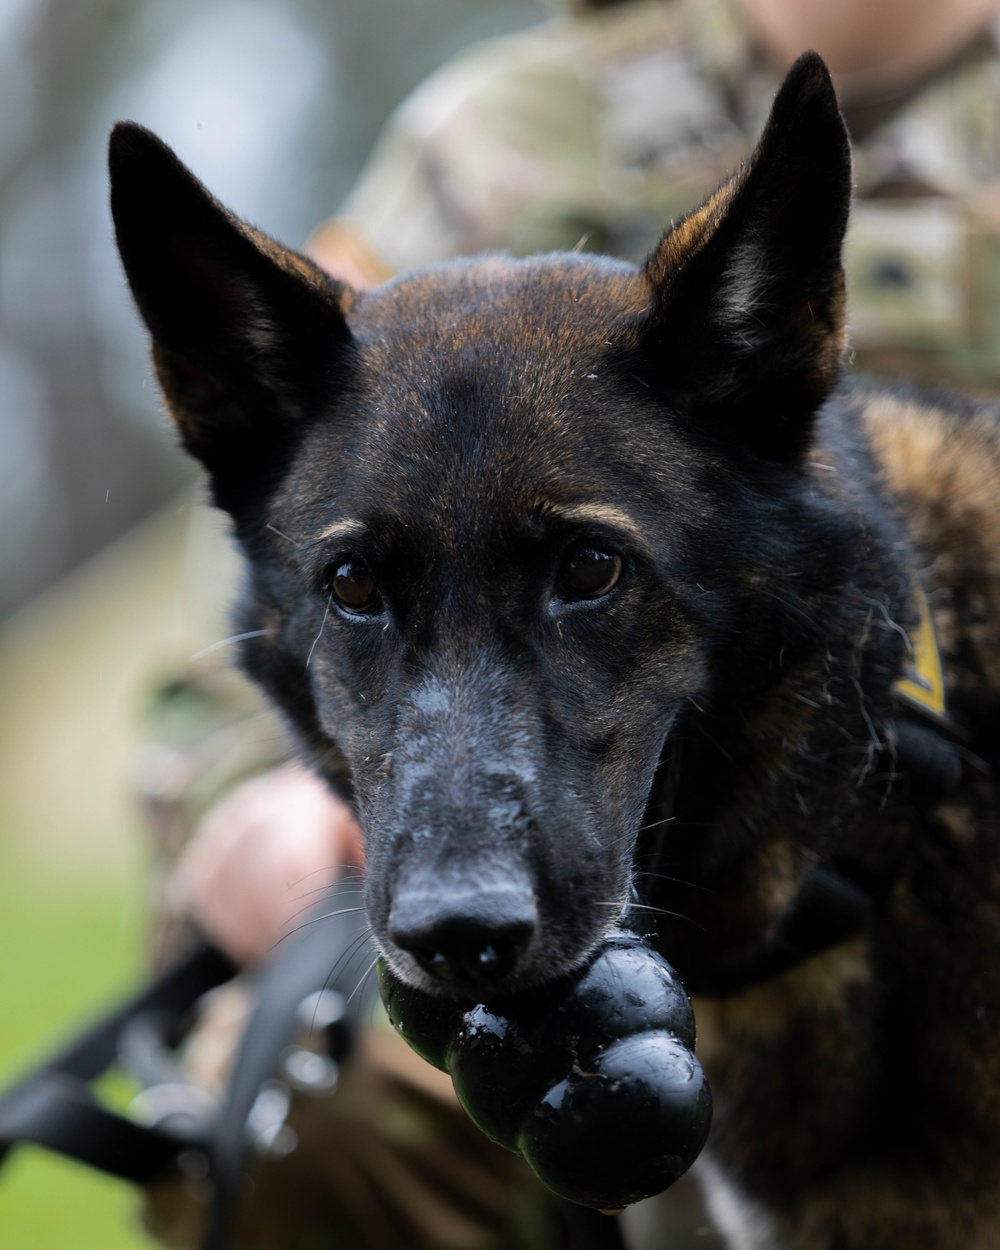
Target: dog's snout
[(475, 937)]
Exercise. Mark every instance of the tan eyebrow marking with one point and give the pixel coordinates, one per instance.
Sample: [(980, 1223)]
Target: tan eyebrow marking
[(600, 514), (339, 529)]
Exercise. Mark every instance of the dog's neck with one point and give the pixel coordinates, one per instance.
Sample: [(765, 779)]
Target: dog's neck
[(749, 889)]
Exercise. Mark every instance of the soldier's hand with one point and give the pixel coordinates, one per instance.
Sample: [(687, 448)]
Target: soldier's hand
[(262, 856)]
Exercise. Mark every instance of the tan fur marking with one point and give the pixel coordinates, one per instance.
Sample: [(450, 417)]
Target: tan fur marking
[(689, 236), (600, 514), (948, 467), (347, 529), (944, 469)]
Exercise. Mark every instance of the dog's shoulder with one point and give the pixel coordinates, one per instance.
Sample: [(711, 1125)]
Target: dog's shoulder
[(940, 456), (937, 459)]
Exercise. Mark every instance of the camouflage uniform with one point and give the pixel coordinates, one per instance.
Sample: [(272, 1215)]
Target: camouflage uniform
[(596, 132)]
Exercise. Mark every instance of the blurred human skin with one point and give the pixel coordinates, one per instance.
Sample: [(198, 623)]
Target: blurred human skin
[(873, 49), (262, 856)]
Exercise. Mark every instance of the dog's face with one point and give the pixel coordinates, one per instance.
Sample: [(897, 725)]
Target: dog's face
[(496, 586), (502, 519)]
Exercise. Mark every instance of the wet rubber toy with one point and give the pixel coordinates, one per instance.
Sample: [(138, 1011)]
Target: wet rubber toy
[(593, 1080)]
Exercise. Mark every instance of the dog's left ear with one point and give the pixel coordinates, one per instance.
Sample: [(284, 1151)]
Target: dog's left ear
[(247, 335), (748, 291)]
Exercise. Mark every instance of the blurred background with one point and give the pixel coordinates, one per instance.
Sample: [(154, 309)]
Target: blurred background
[(104, 582)]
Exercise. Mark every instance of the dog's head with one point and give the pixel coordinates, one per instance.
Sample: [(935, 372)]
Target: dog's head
[(502, 518)]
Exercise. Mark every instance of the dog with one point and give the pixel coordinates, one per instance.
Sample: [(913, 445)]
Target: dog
[(581, 578)]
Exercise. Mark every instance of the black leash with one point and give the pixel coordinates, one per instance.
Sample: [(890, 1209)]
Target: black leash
[(929, 755), (55, 1107), (838, 900), (327, 959)]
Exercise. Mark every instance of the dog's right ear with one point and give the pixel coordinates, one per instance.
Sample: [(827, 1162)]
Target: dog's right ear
[(246, 334), (748, 291)]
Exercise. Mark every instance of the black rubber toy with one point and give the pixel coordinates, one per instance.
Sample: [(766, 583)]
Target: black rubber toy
[(593, 1080)]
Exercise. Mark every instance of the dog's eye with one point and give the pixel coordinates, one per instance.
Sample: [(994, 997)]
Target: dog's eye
[(588, 573), (353, 587)]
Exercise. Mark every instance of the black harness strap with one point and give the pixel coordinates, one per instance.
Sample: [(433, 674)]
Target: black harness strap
[(828, 910), (837, 901)]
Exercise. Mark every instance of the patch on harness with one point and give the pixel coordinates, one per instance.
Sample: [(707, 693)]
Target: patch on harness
[(921, 685)]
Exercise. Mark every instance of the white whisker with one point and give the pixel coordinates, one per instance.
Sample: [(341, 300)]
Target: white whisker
[(274, 530), (228, 642), (364, 977), (326, 613)]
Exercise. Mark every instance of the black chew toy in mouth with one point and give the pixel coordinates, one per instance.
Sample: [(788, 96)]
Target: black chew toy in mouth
[(593, 1079)]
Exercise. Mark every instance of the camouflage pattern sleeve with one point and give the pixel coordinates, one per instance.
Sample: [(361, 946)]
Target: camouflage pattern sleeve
[(590, 132), (499, 149), (923, 264), (599, 131)]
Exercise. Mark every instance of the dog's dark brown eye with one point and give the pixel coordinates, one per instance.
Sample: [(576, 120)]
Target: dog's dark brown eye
[(353, 587), (588, 573)]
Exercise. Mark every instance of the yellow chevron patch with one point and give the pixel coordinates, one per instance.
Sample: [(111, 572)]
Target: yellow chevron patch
[(922, 682)]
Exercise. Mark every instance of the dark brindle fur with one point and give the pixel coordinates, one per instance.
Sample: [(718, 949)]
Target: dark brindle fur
[(448, 442)]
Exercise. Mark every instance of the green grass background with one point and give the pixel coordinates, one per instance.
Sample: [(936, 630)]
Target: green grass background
[(76, 669), (69, 946)]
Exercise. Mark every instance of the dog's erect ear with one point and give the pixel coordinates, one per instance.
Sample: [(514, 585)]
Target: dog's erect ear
[(246, 334), (749, 289)]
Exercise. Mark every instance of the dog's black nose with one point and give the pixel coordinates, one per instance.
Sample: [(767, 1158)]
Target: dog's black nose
[(470, 937)]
